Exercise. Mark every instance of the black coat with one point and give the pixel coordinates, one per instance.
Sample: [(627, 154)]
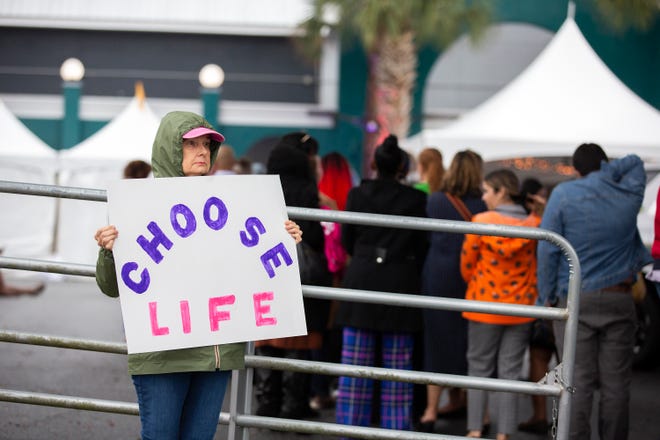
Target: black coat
[(445, 331), (383, 259), (300, 190)]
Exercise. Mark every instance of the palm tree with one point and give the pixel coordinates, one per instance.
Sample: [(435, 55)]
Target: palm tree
[(391, 32), (622, 14)]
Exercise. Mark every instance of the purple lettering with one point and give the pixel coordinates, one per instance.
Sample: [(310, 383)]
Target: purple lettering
[(191, 223), (253, 228), (222, 214), (145, 279), (270, 259), (151, 247)]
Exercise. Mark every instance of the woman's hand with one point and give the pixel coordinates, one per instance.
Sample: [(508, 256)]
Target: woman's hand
[(294, 230), (537, 203), (106, 236), (327, 201)]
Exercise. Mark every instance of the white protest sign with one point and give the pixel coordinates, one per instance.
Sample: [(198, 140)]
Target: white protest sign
[(203, 261)]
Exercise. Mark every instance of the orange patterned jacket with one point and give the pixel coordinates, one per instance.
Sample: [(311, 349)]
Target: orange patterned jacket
[(500, 269)]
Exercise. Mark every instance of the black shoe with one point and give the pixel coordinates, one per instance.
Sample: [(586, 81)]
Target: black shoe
[(535, 426), (299, 413), (457, 413), (426, 427), (267, 410), (318, 403)]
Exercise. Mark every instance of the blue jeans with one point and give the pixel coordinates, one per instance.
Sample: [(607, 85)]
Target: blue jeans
[(182, 406)]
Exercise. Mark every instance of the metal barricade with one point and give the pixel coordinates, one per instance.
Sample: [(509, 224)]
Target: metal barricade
[(557, 384)]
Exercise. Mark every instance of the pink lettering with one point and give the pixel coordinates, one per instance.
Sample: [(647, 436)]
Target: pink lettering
[(185, 316), (215, 315), (261, 309), (153, 315)]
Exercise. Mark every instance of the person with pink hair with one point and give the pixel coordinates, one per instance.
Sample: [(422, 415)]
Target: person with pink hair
[(334, 186)]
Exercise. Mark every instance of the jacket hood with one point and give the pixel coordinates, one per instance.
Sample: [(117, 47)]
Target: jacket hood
[(167, 151), (509, 247), (627, 173)]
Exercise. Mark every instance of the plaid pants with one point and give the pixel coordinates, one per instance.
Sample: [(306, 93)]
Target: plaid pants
[(354, 399)]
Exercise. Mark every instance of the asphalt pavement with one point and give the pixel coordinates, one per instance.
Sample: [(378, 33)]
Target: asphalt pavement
[(74, 307)]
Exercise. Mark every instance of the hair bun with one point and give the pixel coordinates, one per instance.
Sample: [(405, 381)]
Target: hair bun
[(300, 140), (391, 143), (389, 157)]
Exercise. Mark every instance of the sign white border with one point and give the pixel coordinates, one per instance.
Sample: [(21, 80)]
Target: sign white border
[(203, 261)]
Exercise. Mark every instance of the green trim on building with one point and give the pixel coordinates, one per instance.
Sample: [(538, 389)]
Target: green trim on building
[(633, 56)]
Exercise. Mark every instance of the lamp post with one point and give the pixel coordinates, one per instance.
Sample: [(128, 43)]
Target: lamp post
[(211, 77), (72, 72)]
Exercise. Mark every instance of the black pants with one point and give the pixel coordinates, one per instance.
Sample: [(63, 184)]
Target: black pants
[(282, 393)]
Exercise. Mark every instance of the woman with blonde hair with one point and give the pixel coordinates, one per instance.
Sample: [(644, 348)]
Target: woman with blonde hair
[(445, 332), (430, 170)]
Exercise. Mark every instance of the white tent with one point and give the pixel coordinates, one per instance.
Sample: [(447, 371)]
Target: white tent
[(94, 163), (565, 97), (27, 225)]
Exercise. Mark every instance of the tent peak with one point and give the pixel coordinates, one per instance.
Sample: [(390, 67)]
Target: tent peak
[(570, 13), (564, 97)]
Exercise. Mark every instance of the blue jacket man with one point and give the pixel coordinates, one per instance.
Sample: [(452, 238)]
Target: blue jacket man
[(597, 214)]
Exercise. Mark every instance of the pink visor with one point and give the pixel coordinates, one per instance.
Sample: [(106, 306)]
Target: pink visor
[(201, 131)]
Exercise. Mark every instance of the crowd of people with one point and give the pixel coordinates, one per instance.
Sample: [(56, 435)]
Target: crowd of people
[(180, 392), (179, 395)]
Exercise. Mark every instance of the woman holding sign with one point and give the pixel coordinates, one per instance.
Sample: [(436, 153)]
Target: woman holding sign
[(180, 392)]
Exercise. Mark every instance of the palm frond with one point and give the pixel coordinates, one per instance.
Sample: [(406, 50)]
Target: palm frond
[(623, 14)]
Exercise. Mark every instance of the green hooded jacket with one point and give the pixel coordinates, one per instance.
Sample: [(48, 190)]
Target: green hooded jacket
[(166, 159)]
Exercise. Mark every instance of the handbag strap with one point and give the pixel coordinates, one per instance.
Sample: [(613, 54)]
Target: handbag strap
[(460, 207)]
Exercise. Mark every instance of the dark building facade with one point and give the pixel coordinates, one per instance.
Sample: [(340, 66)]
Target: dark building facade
[(269, 87)]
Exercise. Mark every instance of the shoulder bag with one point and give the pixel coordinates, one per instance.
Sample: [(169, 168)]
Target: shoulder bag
[(460, 207)]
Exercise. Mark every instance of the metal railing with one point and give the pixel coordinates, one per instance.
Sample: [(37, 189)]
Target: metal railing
[(557, 384)]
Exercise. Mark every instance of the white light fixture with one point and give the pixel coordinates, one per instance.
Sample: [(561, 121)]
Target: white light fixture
[(211, 76), (331, 13), (72, 70)]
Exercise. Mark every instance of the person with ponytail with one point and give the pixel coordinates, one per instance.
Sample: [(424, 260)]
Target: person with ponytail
[(387, 260)]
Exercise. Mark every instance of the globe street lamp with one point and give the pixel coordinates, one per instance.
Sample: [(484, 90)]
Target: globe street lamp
[(211, 78), (72, 72)]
